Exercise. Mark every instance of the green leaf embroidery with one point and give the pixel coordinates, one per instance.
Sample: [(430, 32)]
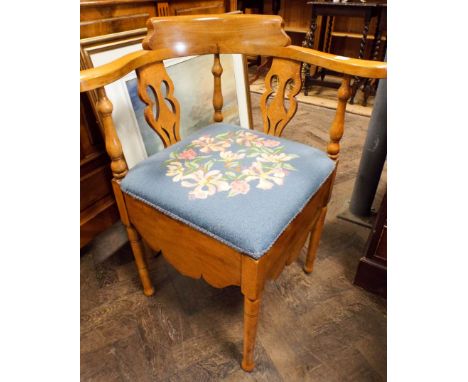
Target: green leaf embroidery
[(208, 165), (287, 166), (278, 150), (222, 136)]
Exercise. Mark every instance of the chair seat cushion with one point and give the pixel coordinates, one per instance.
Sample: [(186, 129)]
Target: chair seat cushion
[(239, 186)]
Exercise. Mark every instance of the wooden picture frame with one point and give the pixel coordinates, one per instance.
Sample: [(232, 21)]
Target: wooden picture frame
[(138, 139)]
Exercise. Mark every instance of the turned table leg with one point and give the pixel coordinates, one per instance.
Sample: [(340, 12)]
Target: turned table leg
[(358, 80), (140, 260), (314, 241), (368, 84), (251, 310), (309, 43)]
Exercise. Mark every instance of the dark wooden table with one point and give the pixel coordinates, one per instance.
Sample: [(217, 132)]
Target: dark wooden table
[(328, 10)]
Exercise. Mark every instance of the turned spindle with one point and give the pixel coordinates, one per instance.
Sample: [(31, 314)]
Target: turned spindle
[(217, 70), (113, 146), (337, 128)]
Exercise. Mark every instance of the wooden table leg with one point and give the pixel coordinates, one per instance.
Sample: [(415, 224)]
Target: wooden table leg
[(309, 43), (368, 84), (358, 80), (328, 38)]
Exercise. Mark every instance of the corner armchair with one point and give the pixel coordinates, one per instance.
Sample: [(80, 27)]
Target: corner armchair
[(227, 204)]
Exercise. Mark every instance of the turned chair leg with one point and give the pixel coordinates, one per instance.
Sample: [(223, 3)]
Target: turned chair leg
[(314, 240), (140, 260), (251, 310)]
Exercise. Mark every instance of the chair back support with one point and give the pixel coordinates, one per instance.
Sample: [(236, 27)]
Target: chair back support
[(189, 35), (162, 114), (286, 74), (179, 36)]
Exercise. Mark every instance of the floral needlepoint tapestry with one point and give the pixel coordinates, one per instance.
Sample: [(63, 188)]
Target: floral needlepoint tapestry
[(231, 162)]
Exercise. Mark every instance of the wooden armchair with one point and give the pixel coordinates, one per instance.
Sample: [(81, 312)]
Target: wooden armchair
[(227, 204)]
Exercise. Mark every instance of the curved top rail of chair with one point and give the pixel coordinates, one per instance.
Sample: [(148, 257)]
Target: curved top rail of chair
[(96, 77), (179, 36)]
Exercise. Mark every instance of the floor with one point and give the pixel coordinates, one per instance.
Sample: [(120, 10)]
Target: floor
[(316, 327)]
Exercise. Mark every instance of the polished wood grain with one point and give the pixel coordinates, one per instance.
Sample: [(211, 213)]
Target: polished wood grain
[(213, 33), (162, 112), (190, 251), (287, 77)]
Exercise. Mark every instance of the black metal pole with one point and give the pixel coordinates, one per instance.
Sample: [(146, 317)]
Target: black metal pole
[(373, 156)]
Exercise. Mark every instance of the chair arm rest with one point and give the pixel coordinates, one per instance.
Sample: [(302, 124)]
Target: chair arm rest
[(346, 65), (97, 77), (94, 78)]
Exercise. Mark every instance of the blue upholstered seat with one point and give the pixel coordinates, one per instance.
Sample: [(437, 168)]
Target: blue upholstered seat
[(239, 186)]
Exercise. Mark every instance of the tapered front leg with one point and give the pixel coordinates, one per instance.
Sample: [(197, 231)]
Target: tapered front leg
[(251, 310), (140, 261), (314, 241)]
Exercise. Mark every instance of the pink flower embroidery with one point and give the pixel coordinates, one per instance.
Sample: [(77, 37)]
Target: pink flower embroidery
[(270, 143), (248, 139), (204, 184), (188, 154), (176, 171), (276, 158), (229, 156), (239, 187), (208, 144), (266, 179)]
